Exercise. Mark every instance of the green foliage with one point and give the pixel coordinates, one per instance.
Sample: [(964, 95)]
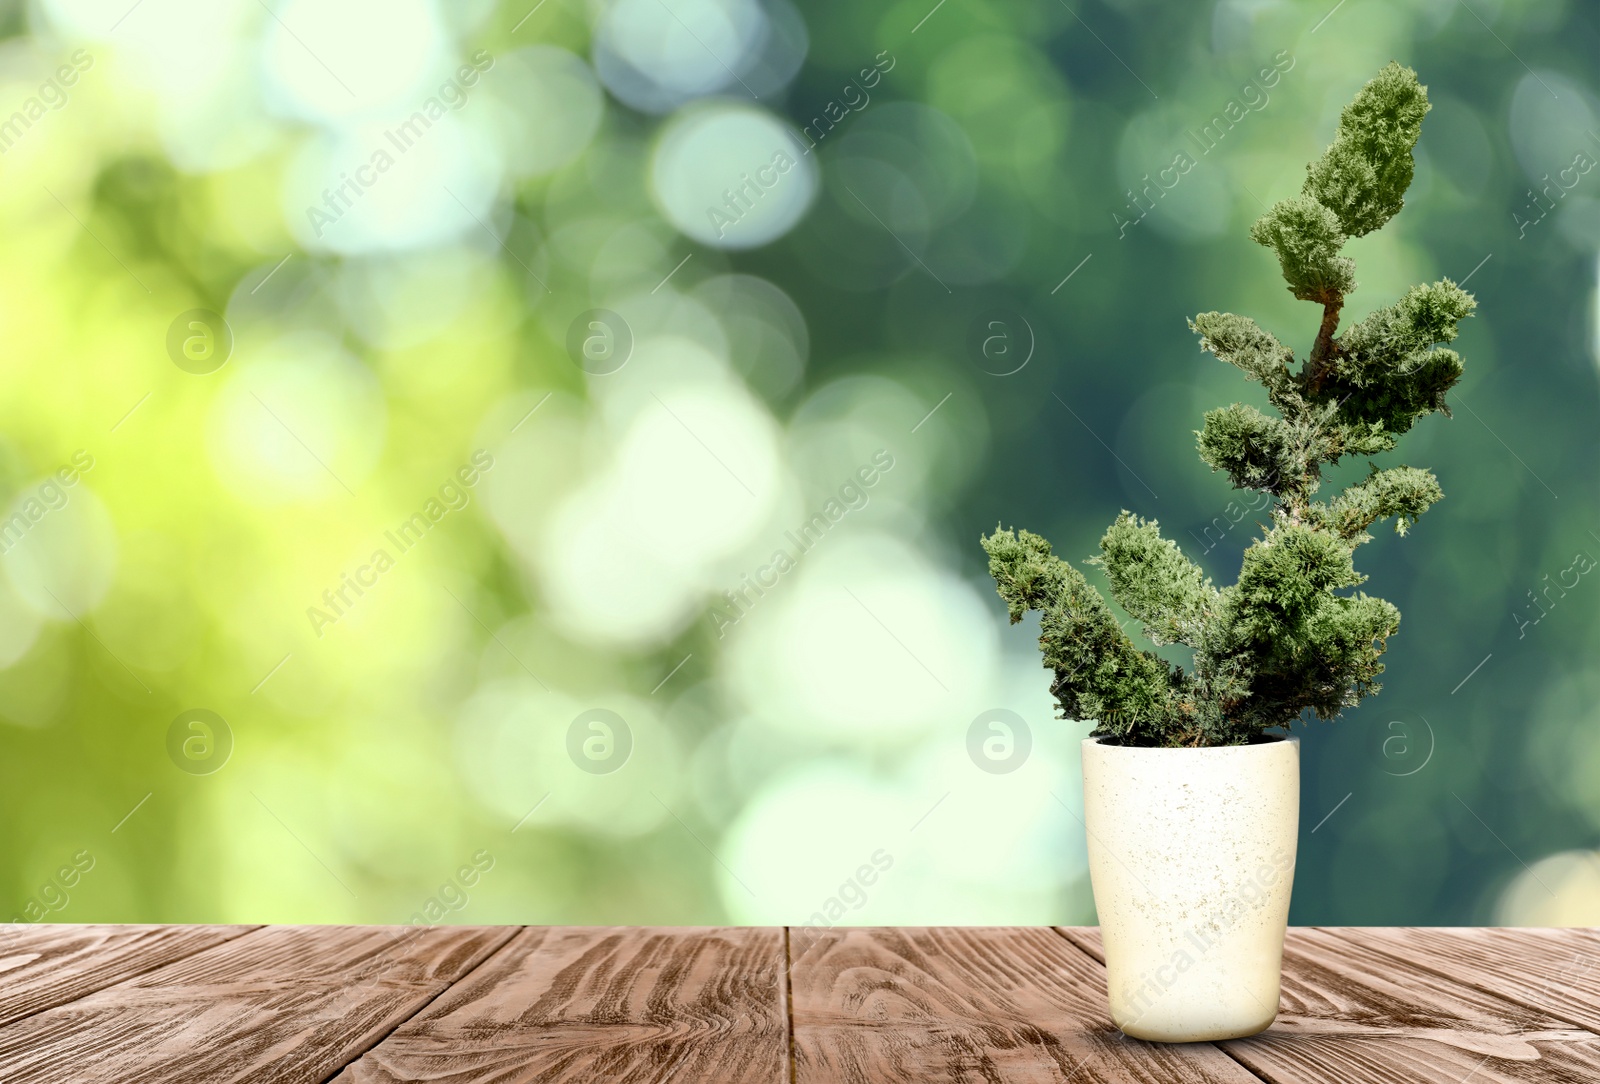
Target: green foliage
[(1386, 370), (1155, 583), (1427, 315), (1307, 238), (1363, 176), (1285, 639), (1257, 450), (1400, 493), (1100, 674), (1238, 341), (1290, 640)]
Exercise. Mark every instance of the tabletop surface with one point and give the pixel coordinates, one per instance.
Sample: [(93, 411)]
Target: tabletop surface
[(798, 1005)]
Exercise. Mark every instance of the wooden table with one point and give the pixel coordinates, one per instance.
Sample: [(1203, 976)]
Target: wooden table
[(91, 1004)]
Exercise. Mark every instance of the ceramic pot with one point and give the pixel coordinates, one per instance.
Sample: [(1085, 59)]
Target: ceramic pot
[(1191, 855)]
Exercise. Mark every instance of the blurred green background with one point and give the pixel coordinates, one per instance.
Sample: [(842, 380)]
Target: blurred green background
[(437, 384)]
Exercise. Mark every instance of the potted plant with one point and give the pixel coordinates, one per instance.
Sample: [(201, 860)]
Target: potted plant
[(1191, 779)]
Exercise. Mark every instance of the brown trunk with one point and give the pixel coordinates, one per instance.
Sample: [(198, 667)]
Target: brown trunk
[(1323, 349)]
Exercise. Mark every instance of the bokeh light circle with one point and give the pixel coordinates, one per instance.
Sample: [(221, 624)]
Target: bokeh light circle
[(302, 421), (731, 176), (768, 342), (330, 61), (60, 549), (655, 57), (550, 107)]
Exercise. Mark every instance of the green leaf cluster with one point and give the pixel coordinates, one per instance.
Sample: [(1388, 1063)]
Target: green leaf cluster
[(1292, 636)]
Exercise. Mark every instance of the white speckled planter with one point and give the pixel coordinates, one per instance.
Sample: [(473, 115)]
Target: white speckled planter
[(1191, 854)]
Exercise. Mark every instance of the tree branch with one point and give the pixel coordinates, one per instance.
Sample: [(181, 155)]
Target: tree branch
[(1323, 350)]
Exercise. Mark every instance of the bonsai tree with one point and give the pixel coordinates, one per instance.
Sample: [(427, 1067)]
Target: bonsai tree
[(1288, 637)]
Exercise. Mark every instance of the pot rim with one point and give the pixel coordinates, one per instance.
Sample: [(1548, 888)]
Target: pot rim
[(1273, 741)]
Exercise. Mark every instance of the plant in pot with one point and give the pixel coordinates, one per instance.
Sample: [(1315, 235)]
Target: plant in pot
[(1191, 779)]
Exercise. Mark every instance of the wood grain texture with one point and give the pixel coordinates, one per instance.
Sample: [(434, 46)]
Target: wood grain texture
[(1350, 1013), (1557, 971), (1085, 937), (97, 1004), (623, 1005), (1359, 1006), (281, 1004), (49, 965), (876, 1006)]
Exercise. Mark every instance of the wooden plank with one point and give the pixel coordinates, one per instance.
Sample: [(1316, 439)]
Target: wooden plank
[(48, 965), (282, 1004), (1352, 1013), (623, 1005), (168, 1004), (1355, 1015), (1557, 971), (1086, 938), (876, 1006)]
